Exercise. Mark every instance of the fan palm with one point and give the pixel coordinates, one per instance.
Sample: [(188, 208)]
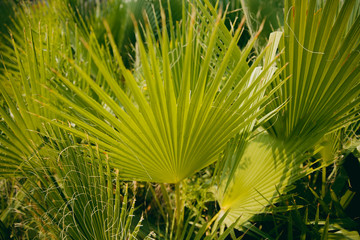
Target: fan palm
[(151, 127), (323, 62), (256, 170), (190, 92), (180, 120)]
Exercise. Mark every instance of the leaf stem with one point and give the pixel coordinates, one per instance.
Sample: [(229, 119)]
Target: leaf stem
[(177, 202), (179, 213)]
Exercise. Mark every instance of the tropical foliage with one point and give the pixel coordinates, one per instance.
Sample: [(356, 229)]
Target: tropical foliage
[(218, 129)]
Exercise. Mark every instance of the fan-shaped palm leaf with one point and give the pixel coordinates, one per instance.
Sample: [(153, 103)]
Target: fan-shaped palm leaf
[(255, 173), (323, 62), (181, 120)]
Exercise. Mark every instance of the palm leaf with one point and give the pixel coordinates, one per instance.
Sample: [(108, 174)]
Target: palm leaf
[(256, 172), (322, 60), (323, 97), (181, 121)]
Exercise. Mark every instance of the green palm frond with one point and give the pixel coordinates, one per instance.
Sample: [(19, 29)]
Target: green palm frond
[(196, 227), (181, 120), (323, 62), (256, 172)]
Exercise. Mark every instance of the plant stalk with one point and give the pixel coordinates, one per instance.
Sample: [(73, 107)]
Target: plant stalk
[(179, 213), (177, 203), (323, 182)]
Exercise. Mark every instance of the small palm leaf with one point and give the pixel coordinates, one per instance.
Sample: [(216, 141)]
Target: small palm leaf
[(260, 169)]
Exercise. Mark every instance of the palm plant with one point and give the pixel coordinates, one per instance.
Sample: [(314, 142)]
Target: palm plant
[(323, 97), (25, 71), (176, 124), (271, 12), (327, 89), (77, 120), (28, 52)]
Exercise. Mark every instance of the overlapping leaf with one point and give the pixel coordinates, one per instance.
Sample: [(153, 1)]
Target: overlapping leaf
[(260, 170), (323, 62)]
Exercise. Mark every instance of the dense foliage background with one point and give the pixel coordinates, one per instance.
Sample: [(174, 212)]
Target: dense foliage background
[(179, 119)]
